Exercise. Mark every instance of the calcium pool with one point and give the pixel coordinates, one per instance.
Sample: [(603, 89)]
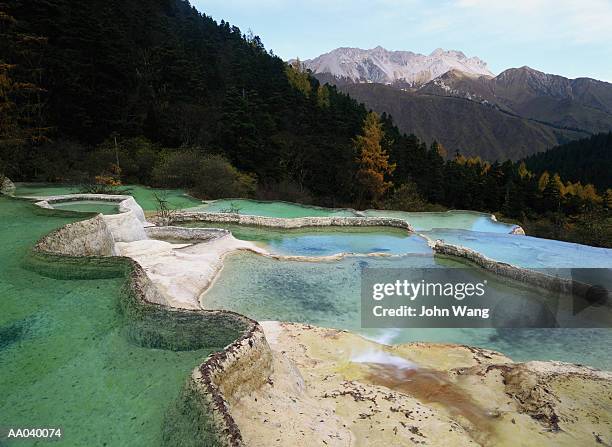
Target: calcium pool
[(70, 359), (87, 206), (467, 220), (145, 196), (324, 241), (328, 294)]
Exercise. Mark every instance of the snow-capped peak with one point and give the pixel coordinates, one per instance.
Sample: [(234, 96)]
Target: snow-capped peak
[(388, 67)]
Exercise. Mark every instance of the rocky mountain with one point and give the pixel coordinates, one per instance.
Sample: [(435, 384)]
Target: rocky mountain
[(403, 68), (456, 100), (581, 104), (460, 124)]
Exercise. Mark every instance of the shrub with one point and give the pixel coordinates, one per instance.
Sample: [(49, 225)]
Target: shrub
[(217, 179), (406, 198), (178, 169), (135, 156), (207, 176), (286, 190)]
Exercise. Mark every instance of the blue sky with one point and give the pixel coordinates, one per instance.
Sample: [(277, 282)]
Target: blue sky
[(572, 38)]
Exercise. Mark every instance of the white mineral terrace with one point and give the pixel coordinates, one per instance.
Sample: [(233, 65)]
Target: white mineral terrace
[(184, 262), (182, 271), (294, 384)]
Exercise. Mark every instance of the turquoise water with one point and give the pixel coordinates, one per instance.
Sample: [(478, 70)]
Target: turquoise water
[(145, 196), (328, 294), (313, 241), (269, 209), (325, 293), (66, 359), (69, 359), (465, 220), (89, 206), (526, 251)]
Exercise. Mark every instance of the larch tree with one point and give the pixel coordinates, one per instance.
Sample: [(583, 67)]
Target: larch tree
[(373, 162)]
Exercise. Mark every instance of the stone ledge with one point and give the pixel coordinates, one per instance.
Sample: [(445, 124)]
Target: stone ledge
[(228, 372), (520, 274), (90, 237), (298, 222), (7, 187), (185, 234)]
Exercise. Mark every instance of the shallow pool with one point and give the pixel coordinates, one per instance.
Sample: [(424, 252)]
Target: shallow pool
[(314, 241), (90, 206), (328, 294), (65, 356), (526, 251), (270, 209), (145, 196), (466, 220)]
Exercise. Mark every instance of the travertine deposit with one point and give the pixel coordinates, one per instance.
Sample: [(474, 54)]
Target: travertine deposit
[(330, 387), (90, 237), (6, 186), (182, 271), (296, 222), (283, 384)]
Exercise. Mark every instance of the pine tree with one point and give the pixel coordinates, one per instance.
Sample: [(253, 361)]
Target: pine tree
[(21, 103), (373, 162), (553, 193)]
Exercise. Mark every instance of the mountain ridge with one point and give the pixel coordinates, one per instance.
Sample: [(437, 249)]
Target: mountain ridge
[(561, 109), (393, 67), (487, 132)]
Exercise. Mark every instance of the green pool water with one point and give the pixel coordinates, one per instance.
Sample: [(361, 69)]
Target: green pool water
[(145, 196), (314, 241), (464, 220), (270, 209), (69, 359), (328, 294), (44, 189), (467, 220), (89, 206)]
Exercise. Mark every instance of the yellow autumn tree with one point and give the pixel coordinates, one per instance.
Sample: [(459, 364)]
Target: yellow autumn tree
[(298, 77), (373, 162), (543, 181), (523, 172)]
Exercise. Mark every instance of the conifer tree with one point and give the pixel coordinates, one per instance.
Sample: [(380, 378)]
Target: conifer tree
[(373, 162), (553, 193)]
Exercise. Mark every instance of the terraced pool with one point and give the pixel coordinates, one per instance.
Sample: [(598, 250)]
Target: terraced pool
[(145, 196), (465, 220), (326, 241), (68, 357), (468, 220), (88, 206), (526, 251), (270, 209), (328, 294)]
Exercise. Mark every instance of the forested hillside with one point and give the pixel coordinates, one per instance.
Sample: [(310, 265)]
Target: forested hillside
[(588, 160), (154, 92), (161, 70)]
